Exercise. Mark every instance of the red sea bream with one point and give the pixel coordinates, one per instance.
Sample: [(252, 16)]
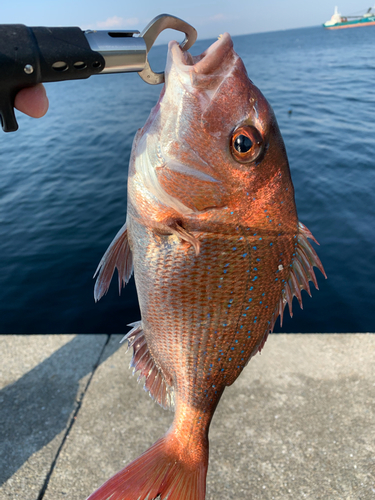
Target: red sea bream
[(213, 235)]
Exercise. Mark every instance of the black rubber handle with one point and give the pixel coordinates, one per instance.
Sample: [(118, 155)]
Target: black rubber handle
[(32, 55)]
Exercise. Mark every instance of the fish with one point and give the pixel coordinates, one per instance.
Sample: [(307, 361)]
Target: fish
[(213, 237)]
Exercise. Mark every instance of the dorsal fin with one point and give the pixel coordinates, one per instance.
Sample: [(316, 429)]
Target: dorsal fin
[(118, 255), (142, 361), (301, 272)]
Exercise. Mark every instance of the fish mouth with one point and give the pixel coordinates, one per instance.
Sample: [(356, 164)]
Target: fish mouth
[(206, 63)]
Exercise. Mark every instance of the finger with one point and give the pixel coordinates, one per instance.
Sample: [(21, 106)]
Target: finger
[(32, 101)]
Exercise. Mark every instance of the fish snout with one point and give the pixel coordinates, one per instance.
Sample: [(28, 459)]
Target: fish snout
[(216, 59)]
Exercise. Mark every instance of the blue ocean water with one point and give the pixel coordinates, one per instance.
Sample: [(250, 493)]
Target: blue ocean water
[(63, 183)]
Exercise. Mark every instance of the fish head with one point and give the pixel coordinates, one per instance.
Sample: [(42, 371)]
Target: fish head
[(212, 140)]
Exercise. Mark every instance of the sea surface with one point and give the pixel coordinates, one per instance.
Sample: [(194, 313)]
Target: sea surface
[(63, 183)]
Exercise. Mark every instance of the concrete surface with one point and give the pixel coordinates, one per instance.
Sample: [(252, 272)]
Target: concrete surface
[(298, 423)]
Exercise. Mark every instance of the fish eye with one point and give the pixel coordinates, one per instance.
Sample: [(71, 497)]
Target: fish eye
[(246, 144), (242, 144)]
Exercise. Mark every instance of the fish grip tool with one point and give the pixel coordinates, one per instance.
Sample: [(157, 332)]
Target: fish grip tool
[(32, 55)]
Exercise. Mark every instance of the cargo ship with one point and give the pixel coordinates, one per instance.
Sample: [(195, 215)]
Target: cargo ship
[(338, 21)]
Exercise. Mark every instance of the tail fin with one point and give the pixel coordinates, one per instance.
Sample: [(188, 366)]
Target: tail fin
[(156, 472)]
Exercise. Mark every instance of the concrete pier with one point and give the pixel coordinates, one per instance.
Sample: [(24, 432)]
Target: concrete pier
[(298, 423)]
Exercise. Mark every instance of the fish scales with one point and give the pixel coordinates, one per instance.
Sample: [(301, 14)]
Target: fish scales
[(217, 249), (226, 291)]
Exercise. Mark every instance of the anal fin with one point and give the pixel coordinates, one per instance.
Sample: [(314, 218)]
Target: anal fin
[(142, 361)]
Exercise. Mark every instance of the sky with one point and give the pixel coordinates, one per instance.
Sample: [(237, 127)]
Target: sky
[(209, 17)]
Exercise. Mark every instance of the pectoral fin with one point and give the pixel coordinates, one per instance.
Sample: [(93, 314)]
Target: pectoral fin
[(184, 235), (118, 255)]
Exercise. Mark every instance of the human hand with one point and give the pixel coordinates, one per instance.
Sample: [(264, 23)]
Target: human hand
[(32, 101)]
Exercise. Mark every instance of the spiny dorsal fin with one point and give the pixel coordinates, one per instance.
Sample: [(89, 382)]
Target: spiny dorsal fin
[(301, 272), (142, 361), (118, 255)]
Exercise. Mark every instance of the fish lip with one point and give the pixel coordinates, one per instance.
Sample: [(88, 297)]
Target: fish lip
[(207, 62)]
